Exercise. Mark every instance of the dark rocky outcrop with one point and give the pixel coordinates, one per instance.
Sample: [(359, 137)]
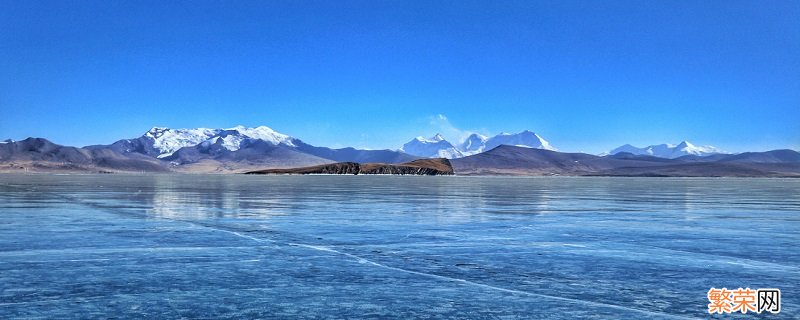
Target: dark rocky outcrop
[(429, 167)]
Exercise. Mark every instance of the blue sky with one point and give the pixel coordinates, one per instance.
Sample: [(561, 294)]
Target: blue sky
[(585, 75)]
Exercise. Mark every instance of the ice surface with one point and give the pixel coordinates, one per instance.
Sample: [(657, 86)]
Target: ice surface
[(220, 246)]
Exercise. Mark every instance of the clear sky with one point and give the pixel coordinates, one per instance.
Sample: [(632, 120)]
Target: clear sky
[(586, 75)]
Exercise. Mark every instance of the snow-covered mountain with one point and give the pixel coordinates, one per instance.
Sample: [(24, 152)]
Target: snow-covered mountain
[(670, 151), (163, 143), (473, 144), (525, 139), (438, 147), (259, 145), (434, 147), (166, 141)]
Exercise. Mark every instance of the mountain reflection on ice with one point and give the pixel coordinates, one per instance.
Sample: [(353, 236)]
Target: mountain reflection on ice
[(223, 246)]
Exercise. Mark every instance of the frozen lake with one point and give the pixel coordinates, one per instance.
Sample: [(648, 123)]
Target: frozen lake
[(231, 246)]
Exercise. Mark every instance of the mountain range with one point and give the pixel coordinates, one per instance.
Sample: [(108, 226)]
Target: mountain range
[(669, 151), (242, 149), (438, 147), (511, 160), (239, 149)]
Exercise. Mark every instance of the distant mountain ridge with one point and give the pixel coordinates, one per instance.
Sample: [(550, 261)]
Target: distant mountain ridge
[(438, 147), (241, 149), (510, 160), (38, 154), (669, 151)]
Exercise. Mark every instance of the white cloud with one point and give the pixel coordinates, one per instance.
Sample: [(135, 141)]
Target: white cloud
[(442, 125)]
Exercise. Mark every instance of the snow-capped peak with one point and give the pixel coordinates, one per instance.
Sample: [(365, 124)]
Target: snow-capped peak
[(167, 140), (688, 148), (436, 138), (263, 133), (434, 147), (473, 144), (526, 138)]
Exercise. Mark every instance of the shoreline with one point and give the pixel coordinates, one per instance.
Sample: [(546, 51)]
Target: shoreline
[(125, 173)]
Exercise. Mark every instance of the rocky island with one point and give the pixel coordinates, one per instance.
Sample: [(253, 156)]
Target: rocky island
[(425, 167)]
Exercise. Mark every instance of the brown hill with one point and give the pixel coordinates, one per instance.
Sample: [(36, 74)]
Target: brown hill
[(511, 160), (41, 155)]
